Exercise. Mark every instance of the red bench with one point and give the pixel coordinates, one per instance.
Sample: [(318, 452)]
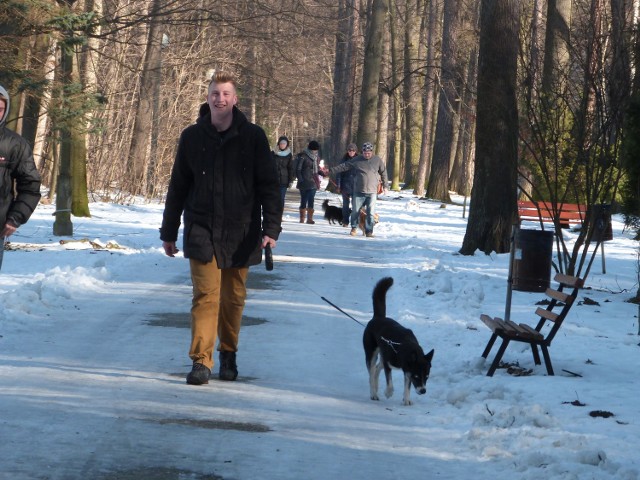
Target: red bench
[(567, 213)]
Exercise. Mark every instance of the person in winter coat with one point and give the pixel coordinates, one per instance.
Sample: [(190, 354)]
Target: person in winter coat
[(308, 173), (369, 170), (284, 165), (19, 178), (344, 181), (224, 182)]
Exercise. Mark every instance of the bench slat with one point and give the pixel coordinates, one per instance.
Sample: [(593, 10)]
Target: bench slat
[(556, 295), (532, 331), (544, 313), (571, 213), (569, 281)]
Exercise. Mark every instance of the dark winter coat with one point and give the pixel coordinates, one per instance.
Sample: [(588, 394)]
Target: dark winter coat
[(226, 185), (345, 180), (284, 166), (16, 167), (367, 173), (305, 172)]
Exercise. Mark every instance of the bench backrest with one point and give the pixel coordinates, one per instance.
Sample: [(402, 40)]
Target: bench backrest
[(567, 213), (564, 296)]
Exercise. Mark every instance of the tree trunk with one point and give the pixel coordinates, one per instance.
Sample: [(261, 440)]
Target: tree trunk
[(556, 57), (344, 75), (43, 115), (412, 91), (438, 187), (394, 164), (429, 97), (367, 117), (62, 226), (138, 151), (384, 101), (493, 207)]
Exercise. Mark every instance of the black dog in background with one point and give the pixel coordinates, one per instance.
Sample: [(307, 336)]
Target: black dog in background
[(332, 214)]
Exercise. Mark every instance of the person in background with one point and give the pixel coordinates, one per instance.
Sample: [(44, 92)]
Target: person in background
[(19, 177), (224, 181), (344, 182), (284, 163), (369, 171), (308, 173)]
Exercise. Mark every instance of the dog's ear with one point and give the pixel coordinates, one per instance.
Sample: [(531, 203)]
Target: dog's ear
[(429, 356)]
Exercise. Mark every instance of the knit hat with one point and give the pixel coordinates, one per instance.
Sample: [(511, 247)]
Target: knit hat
[(352, 146), (313, 145), (367, 147), (283, 139)]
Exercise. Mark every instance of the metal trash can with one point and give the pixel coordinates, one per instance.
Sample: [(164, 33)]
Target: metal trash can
[(602, 230), (531, 269)]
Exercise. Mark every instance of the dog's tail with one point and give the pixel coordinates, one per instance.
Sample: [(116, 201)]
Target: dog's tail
[(380, 297), (325, 204)]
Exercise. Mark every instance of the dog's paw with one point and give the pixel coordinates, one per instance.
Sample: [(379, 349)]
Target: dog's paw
[(388, 392), (374, 397), (406, 402)]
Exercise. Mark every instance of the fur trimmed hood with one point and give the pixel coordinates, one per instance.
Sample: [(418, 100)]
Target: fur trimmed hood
[(4, 94)]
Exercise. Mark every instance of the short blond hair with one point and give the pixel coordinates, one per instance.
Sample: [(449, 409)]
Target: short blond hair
[(223, 77)]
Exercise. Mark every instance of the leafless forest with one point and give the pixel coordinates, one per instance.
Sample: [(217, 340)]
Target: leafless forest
[(456, 94)]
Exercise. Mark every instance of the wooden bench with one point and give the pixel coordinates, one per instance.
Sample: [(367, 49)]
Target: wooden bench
[(534, 336), (567, 213)]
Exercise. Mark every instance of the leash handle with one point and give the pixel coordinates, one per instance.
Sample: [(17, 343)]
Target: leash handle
[(268, 257)]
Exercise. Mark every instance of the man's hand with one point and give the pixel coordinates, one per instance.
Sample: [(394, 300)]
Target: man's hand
[(8, 230), (268, 240), (170, 248)]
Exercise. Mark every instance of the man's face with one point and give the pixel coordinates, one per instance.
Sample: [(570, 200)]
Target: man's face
[(283, 145), (3, 106), (221, 99), (367, 154)]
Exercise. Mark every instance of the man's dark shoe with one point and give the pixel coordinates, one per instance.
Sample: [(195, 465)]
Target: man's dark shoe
[(199, 374), (228, 367)]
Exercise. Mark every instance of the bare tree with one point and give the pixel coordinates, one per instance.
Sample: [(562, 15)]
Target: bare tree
[(367, 116), (449, 98), (344, 77)]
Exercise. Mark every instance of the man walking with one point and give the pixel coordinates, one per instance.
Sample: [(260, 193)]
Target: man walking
[(18, 174), (369, 171), (224, 180)]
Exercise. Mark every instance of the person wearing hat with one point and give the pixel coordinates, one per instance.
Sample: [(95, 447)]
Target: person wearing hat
[(344, 182), (308, 173), (369, 170), (284, 164), (19, 177)]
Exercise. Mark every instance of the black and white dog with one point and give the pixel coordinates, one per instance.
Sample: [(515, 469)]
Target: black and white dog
[(332, 214), (388, 344)]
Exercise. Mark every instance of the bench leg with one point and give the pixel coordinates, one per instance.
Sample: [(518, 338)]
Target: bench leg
[(536, 356), (496, 361), (547, 359), (489, 346)]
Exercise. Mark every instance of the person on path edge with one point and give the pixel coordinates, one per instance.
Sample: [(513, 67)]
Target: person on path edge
[(19, 177), (308, 173), (284, 163)]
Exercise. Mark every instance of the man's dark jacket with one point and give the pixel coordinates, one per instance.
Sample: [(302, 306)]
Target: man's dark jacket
[(228, 189), (17, 167)]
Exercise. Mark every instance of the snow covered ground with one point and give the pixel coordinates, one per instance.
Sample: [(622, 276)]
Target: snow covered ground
[(93, 358)]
